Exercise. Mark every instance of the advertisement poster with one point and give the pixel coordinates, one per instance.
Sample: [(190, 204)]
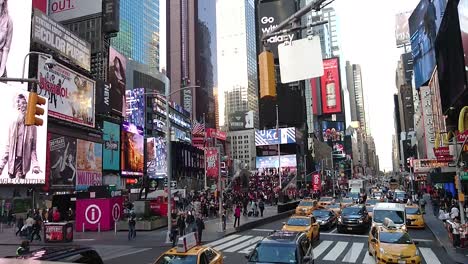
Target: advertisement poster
[(71, 95), (61, 10), (212, 162), (287, 161), (62, 156), (331, 87), (333, 131), (53, 35), (428, 119), (241, 120), (111, 149), (132, 156), (117, 80), (273, 137), (22, 155), (316, 182), (463, 17), (88, 164), (135, 105), (156, 155), (402, 34)]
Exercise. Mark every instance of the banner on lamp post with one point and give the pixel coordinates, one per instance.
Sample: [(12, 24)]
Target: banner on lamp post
[(316, 182), (212, 162)]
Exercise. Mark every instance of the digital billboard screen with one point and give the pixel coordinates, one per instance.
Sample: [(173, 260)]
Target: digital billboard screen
[(331, 87), (333, 131), (132, 156)]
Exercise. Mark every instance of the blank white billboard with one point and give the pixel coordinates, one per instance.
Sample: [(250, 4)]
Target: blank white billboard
[(61, 10)]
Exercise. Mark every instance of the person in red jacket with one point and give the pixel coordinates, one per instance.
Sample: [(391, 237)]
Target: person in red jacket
[(56, 215)]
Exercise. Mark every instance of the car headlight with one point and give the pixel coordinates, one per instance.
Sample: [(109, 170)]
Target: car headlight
[(403, 227), (382, 251), (360, 221), (340, 220), (417, 252)]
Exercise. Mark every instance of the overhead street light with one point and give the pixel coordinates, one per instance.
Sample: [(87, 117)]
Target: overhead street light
[(50, 62)]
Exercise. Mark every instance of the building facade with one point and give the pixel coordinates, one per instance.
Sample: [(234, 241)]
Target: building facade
[(243, 150), (328, 32), (356, 94)]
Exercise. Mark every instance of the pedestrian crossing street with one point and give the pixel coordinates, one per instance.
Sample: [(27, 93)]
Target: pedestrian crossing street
[(324, 250)]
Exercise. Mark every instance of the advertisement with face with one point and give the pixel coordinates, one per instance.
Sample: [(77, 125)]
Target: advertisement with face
[(88, 164), (71, 95), (156, 155), (333, 131), (22, 148), (111, 149), (331, 87), (15, 24), (62, 160), (61, 10), (117, 79), (135, 104), (132, 156)]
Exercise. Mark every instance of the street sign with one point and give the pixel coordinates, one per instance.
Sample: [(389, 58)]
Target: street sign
[(116, 212), (93, 214)]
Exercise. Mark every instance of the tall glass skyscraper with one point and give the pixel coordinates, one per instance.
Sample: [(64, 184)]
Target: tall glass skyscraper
[(138, 38)]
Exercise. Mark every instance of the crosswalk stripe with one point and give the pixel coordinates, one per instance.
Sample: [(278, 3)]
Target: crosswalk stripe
[(217, 242), (244, 244), (353, 253), (336, 251), (429, 256), (321, 248), (247, 249), (368, 259), (232, 242)]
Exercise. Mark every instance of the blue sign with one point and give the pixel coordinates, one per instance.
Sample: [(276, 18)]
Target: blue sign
[(272, 162), (274, 137), (111, 147)]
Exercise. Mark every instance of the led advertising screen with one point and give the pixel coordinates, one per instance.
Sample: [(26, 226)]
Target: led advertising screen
[(117, 80), (62, 159), (88, 164), (424, 24), (331, 87), (463, 17), (135, 107), (156, 157), (273, 137), (132, 156), (272, 161), (22, 148), (333, 131), (111, 148)]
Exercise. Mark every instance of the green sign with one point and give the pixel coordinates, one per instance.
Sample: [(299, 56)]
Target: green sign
[(464, 175)]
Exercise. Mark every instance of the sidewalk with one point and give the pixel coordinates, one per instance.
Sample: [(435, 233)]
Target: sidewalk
[(458, 255), (154, 238)]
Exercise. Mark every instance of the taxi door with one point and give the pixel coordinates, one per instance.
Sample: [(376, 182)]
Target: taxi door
[(314, 229), (373, 241), (211, 257)]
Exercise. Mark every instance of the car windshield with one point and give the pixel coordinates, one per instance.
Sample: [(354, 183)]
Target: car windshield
[(370, 209), (177, 259), (396, 216), (321, 213), (372, 202), (412, 211), (298, 222), (351, 211), (326, 199), (347, 200), (306, 203), (354, 195), (400, 195), (274, 253), (395, 238), (334, 206)]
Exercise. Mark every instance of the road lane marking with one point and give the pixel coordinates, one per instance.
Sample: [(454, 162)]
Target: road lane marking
[(263, 230), (232, 242), (217, 242), (429, 256), (353, 253), (321, 248), (333, 231), (336, 251), (84, 239), (244, 244), (368, 259), (422, 240), (248, 249)]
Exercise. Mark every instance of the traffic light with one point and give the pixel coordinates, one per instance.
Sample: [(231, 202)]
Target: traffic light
[(34, 103), (267, 74)]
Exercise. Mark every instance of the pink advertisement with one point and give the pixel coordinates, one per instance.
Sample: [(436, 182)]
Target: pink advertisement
[(93, 214)]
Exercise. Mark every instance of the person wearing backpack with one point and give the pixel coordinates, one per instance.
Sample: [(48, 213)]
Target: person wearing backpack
[(261, 206)]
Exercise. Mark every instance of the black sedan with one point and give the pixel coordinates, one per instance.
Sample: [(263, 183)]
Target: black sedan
[(325, 217), (69, 254)]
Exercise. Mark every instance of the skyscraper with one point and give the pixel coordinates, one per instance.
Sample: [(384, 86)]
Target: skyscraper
[(328, 32), (138, 38), (356, 94), (237, 60), (191, 55)]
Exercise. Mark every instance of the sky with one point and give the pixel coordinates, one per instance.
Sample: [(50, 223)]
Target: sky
[(367, 37)]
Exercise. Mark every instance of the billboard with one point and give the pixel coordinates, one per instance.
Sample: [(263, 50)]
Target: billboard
[(131, 160), (402, 35), (117, 80), (88, 164), (213, 133), (156, 164), (62, 159), (23, 148), (71, 95), (61, 10), (272, 161), (111, 148), (14, 37), (212, 168), (270, 15), (135, 107), (424, 24), (273, 136), (52, 35), (331, 87), (241, 120), (463, 17), (111, 16), (428, 119), (333, 131)]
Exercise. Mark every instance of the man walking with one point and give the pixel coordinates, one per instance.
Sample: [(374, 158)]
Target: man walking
[(36, 229), (181, 224), (200, 225), (131, 225), (261, 206)]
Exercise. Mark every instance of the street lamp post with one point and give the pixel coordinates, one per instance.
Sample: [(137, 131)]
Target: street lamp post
[(50, 62)]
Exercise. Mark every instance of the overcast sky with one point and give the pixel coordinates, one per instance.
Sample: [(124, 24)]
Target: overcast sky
[(367, 34)]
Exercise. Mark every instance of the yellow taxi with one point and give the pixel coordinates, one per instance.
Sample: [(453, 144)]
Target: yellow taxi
[(187, 252), (326, 200), (370, 203), (414, 217), (302, 223), (388, 244), (306, 207), (335, 207)]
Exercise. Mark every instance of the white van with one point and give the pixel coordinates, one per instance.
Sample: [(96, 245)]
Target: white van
[(393, 211)]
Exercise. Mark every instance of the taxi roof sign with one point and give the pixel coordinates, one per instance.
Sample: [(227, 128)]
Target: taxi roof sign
[(186, 242)]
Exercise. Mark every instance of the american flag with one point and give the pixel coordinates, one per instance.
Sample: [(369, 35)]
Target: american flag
[(198, 128)]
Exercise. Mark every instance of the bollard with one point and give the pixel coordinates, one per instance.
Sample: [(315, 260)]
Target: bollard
[(99, 227), (115, 228), (83, 227)]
